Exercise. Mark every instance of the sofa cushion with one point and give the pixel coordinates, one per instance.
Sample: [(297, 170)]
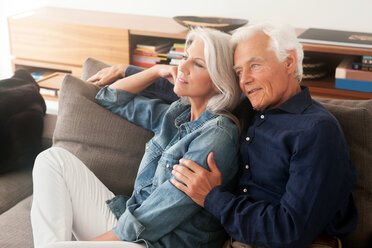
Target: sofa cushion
[(355, 118), (16, 226), (109, 145), (14, 187)]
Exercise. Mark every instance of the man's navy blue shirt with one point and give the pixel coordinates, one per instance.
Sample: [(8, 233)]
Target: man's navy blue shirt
[(295, 177)]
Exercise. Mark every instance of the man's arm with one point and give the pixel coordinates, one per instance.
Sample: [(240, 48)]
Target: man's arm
[(317, 188)]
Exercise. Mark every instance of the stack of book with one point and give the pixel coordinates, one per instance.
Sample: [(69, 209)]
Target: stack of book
[(354, 73), (151, 52), (176, 53), (363, 63)]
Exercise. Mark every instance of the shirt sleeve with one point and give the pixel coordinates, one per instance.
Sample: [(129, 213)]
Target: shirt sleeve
[(320, 181), (160, 214), (162, 89), (144, 112)]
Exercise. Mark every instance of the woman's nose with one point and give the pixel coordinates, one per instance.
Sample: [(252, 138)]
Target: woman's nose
[(184, 67)]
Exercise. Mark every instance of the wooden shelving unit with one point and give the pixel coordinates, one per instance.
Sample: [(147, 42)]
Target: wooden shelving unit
[(61, 39)]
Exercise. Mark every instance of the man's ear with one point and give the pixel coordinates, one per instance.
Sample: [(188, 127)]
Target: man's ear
[(291, 61)]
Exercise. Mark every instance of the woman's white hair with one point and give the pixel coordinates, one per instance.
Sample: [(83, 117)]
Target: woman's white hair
[(283, 38), (218, 54)]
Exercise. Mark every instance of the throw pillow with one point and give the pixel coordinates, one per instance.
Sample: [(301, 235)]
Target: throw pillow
[(22, 109), (109, 145)]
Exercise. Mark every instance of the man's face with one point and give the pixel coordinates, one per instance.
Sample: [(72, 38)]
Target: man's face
[(265, 81)]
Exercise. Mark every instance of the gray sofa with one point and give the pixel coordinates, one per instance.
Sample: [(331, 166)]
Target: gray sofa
[(112, 148)]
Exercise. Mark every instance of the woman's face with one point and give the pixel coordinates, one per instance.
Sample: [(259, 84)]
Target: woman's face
[(193, 80)]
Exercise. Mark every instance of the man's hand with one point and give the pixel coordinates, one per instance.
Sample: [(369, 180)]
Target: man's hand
[(197, 181), (108, 236), (108, 75)]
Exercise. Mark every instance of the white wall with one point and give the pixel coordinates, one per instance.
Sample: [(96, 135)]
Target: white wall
[(9, 8), (333, 14)]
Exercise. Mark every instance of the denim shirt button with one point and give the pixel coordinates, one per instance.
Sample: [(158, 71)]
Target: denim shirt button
[(168, 166), (262, 116)]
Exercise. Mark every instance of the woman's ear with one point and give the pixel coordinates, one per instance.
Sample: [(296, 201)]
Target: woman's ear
[(291, 61)]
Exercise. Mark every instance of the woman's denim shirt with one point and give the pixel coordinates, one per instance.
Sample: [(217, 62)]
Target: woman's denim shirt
[(157, 212)]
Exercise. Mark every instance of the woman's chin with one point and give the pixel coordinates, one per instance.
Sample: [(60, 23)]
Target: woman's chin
[(178, 92)]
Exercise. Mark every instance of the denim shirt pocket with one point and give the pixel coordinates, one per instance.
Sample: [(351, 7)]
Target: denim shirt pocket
[(152, 153), (164, 170)]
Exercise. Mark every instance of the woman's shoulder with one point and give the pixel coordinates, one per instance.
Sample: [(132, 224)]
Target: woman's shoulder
[(224, 124)]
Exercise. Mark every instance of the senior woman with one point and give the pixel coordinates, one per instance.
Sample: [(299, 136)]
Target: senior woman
[(69, 199)]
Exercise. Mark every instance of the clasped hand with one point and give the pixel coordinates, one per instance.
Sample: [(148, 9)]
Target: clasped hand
[(194, 180)]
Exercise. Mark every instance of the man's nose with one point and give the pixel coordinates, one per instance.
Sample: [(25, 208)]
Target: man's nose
[(245, 77)]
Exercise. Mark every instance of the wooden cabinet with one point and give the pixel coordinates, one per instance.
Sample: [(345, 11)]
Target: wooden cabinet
[(61, 39)]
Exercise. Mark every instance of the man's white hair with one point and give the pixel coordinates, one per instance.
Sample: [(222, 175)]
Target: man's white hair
[(283, 38)]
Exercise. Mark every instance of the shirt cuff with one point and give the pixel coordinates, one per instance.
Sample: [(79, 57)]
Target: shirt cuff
[(128, 227), (108, 95), (216, 200)]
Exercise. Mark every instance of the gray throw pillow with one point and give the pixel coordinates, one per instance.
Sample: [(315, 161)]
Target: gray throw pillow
[(109, 145), (355, 118)]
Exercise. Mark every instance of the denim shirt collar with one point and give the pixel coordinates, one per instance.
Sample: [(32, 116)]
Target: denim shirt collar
[(184, 119)]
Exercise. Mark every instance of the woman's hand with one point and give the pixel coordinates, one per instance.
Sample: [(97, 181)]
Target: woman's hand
[(108, 236), (168, 72), (108, 75)]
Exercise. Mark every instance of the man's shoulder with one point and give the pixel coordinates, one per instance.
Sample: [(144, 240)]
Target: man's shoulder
[(316, 114)]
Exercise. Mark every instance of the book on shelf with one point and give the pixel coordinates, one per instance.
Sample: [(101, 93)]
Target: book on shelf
[(176, 53), (367, 60), (148, 58), (145, 52), (345, 70), (336, 38), (179, 45), (153, 44), (142, 64), (356, 85), (360, 63)]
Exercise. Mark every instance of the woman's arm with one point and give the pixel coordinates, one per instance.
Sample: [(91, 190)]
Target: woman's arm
[(139, 81), (160, 214)]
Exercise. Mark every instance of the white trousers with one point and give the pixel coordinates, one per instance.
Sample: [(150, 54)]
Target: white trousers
[(69, 199)]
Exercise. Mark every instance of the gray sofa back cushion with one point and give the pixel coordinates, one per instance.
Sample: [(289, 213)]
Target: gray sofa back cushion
[(109, 145)]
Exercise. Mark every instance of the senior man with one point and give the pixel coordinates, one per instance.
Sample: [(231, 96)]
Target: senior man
[(295, 180)]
